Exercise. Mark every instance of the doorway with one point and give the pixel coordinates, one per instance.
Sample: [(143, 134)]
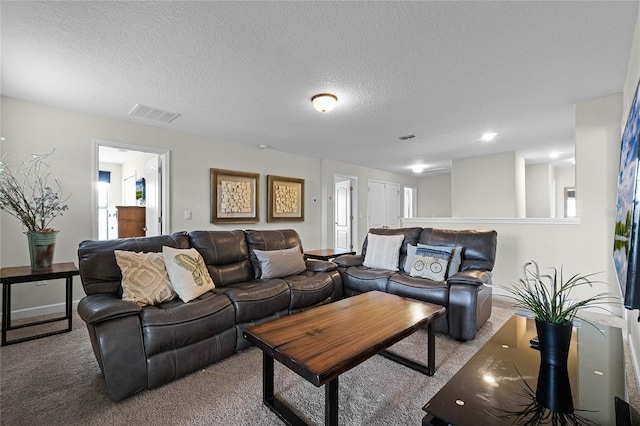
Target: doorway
[(138, 177), (344, 212)]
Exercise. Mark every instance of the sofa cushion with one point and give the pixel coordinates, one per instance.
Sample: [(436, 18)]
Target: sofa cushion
[(479, 245), (97, 263), (363, 279), (417, 288), (176, 324), (188, 273), (258, 298), (280, 263), (226, 255), (309, 288), (383, 251), (144, 277)]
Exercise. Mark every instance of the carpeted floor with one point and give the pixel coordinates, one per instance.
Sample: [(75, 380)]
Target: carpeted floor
[(57, 381)]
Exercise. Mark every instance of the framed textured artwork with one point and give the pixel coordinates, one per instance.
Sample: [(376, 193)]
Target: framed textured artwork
[(285, 199), (234, 196)]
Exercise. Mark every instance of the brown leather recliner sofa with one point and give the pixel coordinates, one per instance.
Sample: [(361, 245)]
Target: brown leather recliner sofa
[(466, 294), (140, 348)]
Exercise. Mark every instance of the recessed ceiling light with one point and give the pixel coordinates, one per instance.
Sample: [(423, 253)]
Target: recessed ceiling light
[(263, 146), (488, 136), (418, 168), (554, 154)]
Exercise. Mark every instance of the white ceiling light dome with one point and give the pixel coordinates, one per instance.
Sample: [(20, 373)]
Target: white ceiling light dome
[(324, 102)]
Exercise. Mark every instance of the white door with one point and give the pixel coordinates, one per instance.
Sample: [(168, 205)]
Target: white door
[(392, 204), (153, 200), (343, 222), (376, 205), (383, 204)]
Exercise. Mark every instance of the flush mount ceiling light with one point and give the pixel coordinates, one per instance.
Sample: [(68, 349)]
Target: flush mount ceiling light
[(324, 102), (488, 136), (418, 168)]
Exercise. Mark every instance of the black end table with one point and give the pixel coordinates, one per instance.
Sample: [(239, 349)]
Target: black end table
[(23, 274), (326, 254)]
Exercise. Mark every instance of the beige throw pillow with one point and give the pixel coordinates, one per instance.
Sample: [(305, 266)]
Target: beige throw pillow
[(383, 251), (280, 263), (144, 277), (188, 273)]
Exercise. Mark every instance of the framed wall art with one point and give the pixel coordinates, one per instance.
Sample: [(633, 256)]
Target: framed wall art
[(285, 199), (234, 196)]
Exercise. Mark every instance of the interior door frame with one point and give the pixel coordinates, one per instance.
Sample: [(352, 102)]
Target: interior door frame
[(354, 208), (165, 161)]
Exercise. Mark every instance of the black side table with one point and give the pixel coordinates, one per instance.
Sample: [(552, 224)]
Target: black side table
[(325, 254), (24, 274)]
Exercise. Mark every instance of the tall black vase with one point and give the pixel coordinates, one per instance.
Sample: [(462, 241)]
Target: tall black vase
[(554, 389), (554, 341)]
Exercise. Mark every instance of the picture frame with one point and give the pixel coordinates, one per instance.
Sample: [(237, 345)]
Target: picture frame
[(235, 196), (285, 199)]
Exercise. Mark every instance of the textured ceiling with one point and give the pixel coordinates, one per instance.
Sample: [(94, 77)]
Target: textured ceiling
[(244, 72)]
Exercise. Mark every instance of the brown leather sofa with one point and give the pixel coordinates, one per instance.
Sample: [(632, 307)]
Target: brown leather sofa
[(140, 348), (466, 294)]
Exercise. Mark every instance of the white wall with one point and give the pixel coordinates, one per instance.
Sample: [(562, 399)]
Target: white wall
[(434, 195), (538, 188), (630, 85), (582, 245), (497, 177)]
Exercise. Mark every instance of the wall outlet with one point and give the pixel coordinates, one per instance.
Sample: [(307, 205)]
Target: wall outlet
[(41, 282)]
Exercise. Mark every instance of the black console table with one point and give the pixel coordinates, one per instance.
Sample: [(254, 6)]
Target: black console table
[(23, 274), (504, 382)]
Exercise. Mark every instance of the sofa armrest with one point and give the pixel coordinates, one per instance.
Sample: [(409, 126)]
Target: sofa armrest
[(347, 260), (314, 265), (471, 276), (96, 308)]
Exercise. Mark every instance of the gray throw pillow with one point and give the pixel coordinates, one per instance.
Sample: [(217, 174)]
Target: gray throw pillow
[(280, 263)]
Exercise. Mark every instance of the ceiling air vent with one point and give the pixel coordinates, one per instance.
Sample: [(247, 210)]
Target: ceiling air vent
[(152, 113)]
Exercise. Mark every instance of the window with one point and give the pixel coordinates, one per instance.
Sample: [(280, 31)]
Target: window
[(104, 179), (409, 202)]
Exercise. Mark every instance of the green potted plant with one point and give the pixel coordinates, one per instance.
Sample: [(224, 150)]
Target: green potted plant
[(548, 297), (26, 194)]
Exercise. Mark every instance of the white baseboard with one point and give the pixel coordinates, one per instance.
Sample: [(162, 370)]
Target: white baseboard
[(56, 308)]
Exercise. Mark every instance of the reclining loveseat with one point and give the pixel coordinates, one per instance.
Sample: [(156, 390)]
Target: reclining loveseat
[(464, 288), (141, 347)]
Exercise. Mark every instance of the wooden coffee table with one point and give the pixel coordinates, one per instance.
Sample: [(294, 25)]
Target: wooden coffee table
[(321, 343)]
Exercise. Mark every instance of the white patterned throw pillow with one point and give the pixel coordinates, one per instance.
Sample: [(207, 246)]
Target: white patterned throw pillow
[(144, 277), (188, 273), (383, 251), (431, 262)]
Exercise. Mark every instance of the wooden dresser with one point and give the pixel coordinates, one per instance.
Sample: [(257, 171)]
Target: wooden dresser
[(131, 221)]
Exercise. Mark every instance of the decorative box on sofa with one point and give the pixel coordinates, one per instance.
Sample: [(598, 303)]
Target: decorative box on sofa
[(466, 293), (141, 347)]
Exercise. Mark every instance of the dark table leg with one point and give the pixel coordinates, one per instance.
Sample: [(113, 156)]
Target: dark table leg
[(69, 300), (331, 403), (428, 369), (269, 398), (6, 306)]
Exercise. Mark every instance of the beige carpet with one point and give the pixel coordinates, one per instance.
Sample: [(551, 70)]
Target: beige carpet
[(57, 381)]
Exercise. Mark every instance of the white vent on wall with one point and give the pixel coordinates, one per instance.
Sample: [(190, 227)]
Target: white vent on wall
[(152, 113)]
